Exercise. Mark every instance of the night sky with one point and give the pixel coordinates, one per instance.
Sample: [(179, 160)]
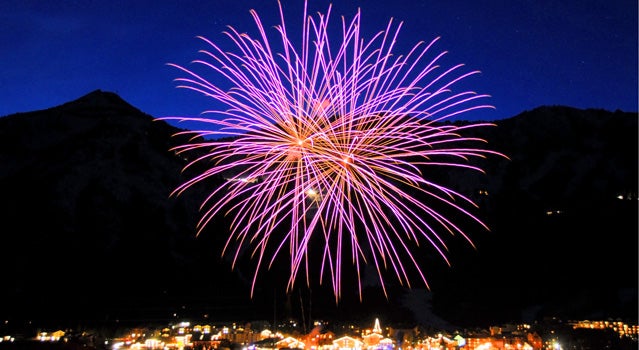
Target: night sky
[(531, 53)]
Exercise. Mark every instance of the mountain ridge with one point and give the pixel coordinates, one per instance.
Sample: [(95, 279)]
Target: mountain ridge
[(87, 186)]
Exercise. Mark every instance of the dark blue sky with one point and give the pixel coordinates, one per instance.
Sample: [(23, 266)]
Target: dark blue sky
[(579, 53)]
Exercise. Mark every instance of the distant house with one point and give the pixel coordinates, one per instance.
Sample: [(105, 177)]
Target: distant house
[(204, 341), (319, 339), (347, 343), (373, 339), (289, 343)]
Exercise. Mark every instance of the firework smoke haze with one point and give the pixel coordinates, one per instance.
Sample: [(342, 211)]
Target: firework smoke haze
[(322, 142)]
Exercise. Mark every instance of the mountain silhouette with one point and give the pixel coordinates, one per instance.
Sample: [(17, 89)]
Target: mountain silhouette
[(93, 234)]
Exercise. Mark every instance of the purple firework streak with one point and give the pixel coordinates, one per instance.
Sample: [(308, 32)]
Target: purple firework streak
[(326, 142)]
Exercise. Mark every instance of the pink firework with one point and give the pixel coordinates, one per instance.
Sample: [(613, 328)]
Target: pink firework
[(323, 145)]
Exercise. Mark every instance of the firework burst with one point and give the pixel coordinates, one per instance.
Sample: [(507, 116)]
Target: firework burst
[(325, 143)]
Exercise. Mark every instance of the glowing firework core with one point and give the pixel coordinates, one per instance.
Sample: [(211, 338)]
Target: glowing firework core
[(333, 140)]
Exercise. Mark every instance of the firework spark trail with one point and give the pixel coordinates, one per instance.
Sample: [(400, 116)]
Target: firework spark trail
[(329, 142)]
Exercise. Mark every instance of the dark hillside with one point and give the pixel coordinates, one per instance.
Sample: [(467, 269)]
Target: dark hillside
[(563, 215), (91, 233), (90, 228)]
